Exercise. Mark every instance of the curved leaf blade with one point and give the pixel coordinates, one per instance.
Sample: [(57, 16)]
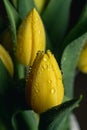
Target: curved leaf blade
[(69, 63), (25, 120), (56, 17), (56, 118), (15, 3), (24, 6), (5, 89), (13, 17), (5, 79)]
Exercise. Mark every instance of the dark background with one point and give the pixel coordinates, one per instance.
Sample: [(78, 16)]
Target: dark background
[(80, 79), (81, 88)]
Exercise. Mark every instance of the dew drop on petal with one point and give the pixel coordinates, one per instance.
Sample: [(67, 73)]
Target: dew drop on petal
[(45, 59), (27, 79), (52, 91), (49, 81), (39, 53), (36, 87), (36, 90), (45, 66)]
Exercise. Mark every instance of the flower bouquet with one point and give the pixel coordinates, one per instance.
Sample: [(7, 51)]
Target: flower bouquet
[(38, 64)]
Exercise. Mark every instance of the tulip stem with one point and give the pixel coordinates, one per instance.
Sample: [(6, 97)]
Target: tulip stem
[(21, 72), (19, 69)]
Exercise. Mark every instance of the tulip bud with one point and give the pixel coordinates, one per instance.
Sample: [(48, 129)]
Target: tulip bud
[(82, 63), (40, 4), (31, 38), (44, 88), (6, 59)]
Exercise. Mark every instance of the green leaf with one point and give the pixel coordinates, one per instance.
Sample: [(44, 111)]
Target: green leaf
[(79, 29), (25, 120), (56, 17), (69, 62), (5, 79), (5, 99), (55, 118), (15, 3), (11, 96), (14, 20), (24, 6), (48, 42), (13, 17)]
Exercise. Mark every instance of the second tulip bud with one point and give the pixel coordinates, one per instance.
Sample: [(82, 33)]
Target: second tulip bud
[(44, 86)]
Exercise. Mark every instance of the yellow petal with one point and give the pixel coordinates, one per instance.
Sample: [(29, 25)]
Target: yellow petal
[(31, 38), (44, 87), (82, 63), (6, 59)]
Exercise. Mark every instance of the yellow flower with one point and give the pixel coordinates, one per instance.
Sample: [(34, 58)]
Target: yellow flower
[(6, 59), (82, 63), (44, 88), (40, 4), (31, 38)]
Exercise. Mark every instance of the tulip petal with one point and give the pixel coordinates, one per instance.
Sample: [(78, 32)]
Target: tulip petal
[(6, 59), (44, 89), (31, 38), (82, 63)]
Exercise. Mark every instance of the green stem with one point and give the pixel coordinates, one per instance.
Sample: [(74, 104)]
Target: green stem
[(21, 73), (19, 69)]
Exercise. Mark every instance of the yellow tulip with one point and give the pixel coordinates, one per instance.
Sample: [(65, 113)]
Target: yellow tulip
[(44, 87), (31, 38), (40, 4), (6, 59), (82, 63)]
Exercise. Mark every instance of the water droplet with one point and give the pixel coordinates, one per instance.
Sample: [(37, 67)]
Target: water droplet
[(52, 91), (27, 79), (49, 68), (30, 69), (49, 81), (39, 53), (36, 90), (45, 66), (45, 59), (27, 70)]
